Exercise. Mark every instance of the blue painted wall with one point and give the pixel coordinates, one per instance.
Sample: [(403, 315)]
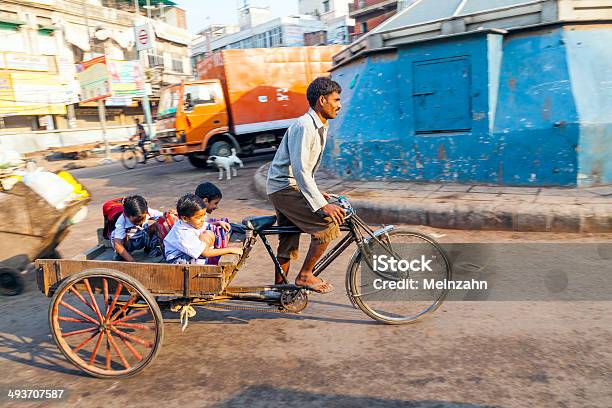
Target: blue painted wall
[(369, 120), (536, 122), (480, 108), (590, 67)]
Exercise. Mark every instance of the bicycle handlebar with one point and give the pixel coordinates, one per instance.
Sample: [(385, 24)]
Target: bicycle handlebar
[(345, 204)]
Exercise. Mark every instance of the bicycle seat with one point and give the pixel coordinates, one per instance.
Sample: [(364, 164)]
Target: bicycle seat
[(259, 223)]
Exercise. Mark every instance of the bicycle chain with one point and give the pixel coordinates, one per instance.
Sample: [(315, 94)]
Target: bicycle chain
[(245, 308)]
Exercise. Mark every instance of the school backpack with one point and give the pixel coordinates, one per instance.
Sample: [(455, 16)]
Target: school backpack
[(111, 210), (165, 224)]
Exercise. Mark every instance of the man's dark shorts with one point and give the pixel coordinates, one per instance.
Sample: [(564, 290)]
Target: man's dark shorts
[(293, 209)]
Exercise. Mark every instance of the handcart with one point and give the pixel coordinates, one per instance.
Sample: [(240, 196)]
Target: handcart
[(30, 228)]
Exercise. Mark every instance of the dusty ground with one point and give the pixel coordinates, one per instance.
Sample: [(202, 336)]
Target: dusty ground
[(468, 354)]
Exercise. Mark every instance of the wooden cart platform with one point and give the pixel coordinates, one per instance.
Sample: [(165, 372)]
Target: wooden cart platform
[(158, 278)]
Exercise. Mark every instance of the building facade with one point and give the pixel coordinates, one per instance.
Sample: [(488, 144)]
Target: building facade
[(318, 23), (503, 92), (334, 14), (279, 32), (201, 45), (42, 41), (369, 14)]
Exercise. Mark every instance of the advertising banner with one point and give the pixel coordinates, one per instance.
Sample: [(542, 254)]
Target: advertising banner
[(94, 79), (32, 93), (6, 88), (126, 77)]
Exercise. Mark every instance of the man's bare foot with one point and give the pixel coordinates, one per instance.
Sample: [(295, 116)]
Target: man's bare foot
[(313, 283)]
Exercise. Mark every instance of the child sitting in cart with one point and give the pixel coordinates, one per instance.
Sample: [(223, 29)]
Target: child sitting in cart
[(212, 197), (132, 230), (189, 241), (221, 227)]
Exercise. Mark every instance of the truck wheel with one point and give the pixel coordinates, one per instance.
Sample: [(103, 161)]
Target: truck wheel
[(197, 162), (221, 148)]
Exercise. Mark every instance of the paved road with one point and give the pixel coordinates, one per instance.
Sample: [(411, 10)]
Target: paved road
[(469, 354)]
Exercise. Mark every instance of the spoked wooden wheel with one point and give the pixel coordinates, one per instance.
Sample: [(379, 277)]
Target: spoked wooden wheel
[(106, 323)]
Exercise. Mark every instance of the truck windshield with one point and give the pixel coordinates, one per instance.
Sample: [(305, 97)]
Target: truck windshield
[(168, 102), (199, 94)]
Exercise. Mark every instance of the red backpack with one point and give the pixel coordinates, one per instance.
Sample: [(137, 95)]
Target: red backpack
[(111, 210), (164, 225)]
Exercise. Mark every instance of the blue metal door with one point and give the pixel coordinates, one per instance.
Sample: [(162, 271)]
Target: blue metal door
[(442, 100)]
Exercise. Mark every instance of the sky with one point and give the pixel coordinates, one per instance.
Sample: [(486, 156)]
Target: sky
[(224, 11)]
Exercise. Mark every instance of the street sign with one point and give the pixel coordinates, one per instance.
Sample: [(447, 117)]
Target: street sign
[(144, 37)]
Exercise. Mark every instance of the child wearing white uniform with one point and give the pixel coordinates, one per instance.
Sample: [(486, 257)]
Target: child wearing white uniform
[(132, 230), (188, 241), (183, 243)]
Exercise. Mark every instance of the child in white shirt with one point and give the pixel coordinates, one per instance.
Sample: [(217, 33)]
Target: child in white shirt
[(212, 196), (188, 241), (132, 230)]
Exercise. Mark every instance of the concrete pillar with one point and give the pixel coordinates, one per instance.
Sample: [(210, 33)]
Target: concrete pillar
[(72, 122)]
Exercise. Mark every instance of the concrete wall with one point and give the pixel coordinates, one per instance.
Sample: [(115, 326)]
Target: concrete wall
[(527, 108), (536, 123), (41, 140), (590, 67), (369, 120)]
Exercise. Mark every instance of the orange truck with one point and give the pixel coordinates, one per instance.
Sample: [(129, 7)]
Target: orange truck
[(245, 99)]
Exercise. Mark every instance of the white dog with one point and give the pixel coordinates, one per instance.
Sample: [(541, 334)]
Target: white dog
[(228, 163)]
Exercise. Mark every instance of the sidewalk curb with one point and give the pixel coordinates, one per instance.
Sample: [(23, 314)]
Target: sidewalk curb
[(477, 215)]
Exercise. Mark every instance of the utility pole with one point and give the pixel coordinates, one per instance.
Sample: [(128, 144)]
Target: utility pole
[(145, 98), (101, 106)]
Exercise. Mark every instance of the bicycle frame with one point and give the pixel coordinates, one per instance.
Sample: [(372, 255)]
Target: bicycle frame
[(352, 224)]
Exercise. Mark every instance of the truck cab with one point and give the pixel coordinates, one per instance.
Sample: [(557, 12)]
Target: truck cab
[(189, 115)]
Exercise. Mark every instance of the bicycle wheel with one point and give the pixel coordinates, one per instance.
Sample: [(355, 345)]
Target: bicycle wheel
[(401, 291), (131, 157)]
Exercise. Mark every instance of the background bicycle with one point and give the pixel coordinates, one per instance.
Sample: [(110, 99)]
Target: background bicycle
[(132, 155)]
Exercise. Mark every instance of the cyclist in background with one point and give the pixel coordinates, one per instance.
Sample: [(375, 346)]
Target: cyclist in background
[(142, 137)]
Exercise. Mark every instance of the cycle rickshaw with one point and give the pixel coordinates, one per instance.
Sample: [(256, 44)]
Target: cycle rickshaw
[(106, 316)]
